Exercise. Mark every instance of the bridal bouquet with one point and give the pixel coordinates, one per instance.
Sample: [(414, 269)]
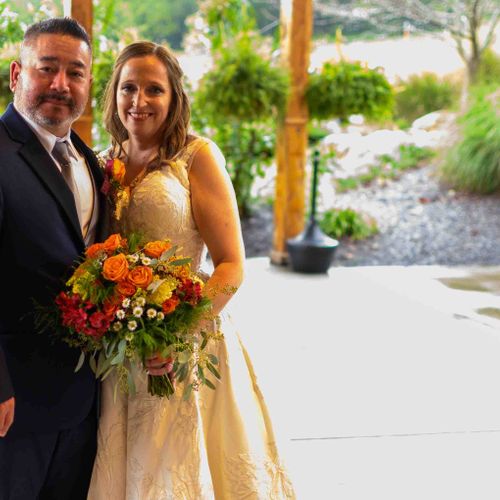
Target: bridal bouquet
[(126, 302)]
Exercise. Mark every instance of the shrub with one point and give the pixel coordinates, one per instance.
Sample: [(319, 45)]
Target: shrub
[(345, 88), (339, 223), (423, 94), (242, 86), (473, 164), (235, 104), (489, 70)]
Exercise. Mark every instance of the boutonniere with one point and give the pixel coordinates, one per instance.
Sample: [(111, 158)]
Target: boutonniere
[(114, 173)]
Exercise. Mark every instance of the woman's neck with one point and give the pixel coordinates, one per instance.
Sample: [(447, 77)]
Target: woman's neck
[(140, 153)]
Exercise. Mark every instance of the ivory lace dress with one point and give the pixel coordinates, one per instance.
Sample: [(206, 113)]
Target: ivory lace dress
[(218, 444)]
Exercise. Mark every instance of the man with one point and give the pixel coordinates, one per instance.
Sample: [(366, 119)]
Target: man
[(49, 203)]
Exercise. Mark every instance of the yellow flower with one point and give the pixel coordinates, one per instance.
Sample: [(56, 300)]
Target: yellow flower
[(164, 291)]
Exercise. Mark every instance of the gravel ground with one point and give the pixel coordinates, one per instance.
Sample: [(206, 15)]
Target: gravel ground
[(420, 223)]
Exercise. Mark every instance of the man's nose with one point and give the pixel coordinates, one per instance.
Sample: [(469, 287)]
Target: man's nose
[(60, 81)]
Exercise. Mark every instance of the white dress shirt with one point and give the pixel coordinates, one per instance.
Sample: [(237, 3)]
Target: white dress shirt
[(81, 174)]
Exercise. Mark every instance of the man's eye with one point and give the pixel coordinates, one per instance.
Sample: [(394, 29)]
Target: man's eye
[(77, 74), (46, 69), (156, 90)]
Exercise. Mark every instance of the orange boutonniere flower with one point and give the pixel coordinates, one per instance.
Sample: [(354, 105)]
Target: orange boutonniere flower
[(94, 250)]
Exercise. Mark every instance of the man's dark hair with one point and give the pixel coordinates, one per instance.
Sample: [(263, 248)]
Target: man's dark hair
[(57, 26)]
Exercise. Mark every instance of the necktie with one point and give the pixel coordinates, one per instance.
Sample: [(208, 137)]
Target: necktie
[(61, 154)]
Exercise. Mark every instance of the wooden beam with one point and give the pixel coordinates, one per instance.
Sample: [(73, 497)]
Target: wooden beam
[(289, 206), (82, 11)]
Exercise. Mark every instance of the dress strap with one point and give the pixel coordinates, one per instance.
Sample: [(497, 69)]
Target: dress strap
[(188, 153)]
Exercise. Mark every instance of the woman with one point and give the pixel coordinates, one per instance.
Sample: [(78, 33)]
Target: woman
[(218, 444)]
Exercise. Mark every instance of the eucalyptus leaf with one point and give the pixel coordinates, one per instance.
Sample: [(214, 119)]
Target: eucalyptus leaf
[(168, 253), (180, 262), (92, 363), (209, 384), (81, 360), (213, 370), (184, 356), (187, 392)]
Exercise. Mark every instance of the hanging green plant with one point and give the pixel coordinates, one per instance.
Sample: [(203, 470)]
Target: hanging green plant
[(347, 88), (242, 86)]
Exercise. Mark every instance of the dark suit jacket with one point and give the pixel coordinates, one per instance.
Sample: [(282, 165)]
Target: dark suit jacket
[(40, 240)]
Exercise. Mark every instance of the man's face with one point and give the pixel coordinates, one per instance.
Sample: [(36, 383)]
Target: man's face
[(51, 82)]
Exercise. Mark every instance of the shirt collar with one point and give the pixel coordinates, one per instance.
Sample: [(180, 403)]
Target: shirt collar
[(48, 139)]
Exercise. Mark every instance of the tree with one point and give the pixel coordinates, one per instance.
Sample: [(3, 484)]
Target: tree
[(471, 23)]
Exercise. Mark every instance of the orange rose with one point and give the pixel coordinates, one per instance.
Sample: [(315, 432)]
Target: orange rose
[(115, 268), (126, 288), (170, 304), (94, 250), (154, 249), (140, 276), (118, 170), (113, 242)]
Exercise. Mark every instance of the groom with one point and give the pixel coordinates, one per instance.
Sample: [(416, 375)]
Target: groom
[(49, 206)]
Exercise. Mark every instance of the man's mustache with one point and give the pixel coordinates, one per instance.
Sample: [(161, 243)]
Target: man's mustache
[(54, 96)]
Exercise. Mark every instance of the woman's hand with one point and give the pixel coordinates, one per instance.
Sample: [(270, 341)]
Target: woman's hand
[(158, 366)]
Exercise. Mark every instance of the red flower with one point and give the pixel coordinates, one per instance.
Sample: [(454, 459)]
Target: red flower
[(189, 291)]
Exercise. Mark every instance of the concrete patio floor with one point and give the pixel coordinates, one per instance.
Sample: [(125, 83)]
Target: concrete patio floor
[(383, 382)]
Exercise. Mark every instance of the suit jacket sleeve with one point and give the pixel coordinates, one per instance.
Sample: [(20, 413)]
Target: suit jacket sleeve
[(6, 389)]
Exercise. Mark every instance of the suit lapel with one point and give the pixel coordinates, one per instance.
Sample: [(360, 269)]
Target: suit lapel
[(41, 163)]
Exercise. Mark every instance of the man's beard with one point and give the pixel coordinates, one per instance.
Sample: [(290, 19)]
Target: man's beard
[(31, 107)]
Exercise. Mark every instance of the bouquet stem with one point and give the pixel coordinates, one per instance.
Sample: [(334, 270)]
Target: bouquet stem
[(160, 385)]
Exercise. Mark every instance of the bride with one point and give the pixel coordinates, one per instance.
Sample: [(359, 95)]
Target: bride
[(218, 444)]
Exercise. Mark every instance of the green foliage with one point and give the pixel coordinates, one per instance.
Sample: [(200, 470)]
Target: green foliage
[(242, 86), (345, 88), (410, 156), (339, 223), (422, 94), (235, 105), (473, 164), (226, 19), (248, 148), (489, 70), (10, 26)]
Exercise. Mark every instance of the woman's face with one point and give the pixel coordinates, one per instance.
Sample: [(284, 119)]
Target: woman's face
[(143, 97)]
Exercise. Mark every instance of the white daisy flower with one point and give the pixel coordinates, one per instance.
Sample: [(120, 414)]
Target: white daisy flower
[(129, 336), (126, 303), (160, 316), (133, 258), (140, 301), (117, 326), (137, 311), (151, 313), (132, 325), (146, 261), (120, 314)]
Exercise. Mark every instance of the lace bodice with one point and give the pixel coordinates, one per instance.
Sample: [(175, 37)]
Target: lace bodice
[(158, 206)]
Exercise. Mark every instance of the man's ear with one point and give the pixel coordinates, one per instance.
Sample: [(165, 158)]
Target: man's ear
[(15, 71)]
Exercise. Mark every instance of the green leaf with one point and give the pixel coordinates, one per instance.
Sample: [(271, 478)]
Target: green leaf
[(209, 384), (187, 392), (213, 359), (213, 370), (180, 262), (81, 360), (168, 253), (92, 363), (184, 356)]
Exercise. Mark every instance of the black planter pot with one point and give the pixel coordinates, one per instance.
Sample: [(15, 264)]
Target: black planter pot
[(312, 251)]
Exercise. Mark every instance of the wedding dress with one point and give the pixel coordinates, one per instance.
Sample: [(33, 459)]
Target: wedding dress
[(218, 444)]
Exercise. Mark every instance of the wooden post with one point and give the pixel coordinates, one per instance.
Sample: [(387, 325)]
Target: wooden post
[(81, 10), (289, 206)]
